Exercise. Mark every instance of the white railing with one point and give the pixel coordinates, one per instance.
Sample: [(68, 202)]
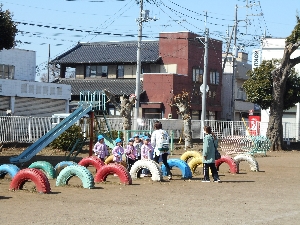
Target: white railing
[(29, 129)]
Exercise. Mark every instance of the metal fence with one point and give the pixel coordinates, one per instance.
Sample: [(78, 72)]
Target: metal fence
[(29, 129)]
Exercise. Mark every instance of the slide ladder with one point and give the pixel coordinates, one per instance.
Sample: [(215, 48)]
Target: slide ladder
[(41, 143)]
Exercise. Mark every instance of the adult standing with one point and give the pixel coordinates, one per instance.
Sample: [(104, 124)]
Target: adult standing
[(210, 143), (160, 143)]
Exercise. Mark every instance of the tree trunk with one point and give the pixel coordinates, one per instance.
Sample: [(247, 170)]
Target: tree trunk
[(275, 131), (187, 132)]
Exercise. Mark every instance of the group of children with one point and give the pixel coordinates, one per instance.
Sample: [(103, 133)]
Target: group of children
[(138, 147)]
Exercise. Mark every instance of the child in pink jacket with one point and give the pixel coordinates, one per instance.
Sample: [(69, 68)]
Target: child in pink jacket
[(100, 148), (131, 154), (146, 153), (118, 151), (147, 149)]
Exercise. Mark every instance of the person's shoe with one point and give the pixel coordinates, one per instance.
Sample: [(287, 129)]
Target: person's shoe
[(170, 177), (218, 180), (205, 180), (142, 175)]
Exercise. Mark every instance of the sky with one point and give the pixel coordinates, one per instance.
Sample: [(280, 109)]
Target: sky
[(61, 24)]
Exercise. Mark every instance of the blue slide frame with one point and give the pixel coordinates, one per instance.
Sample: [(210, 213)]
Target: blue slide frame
[(41, 143)]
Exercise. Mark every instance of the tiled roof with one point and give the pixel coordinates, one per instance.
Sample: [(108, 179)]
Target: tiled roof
[(115, 86), (110, 52)]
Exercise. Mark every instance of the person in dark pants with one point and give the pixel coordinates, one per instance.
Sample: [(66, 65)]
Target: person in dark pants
[(160, 143), (209, 146)]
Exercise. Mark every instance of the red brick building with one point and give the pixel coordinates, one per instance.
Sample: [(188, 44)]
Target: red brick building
[(182, 55)]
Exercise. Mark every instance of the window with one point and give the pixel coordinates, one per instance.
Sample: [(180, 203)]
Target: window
[(120, 71), (152, 113), (195, 115), (198, 75), (214, 77), (96, 71), (241, 95), (211, 115)]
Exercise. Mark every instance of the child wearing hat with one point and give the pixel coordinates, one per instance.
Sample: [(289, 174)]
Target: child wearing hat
[(146, 149), (131, 154), (100, 148), (146, 153), (118, 151), (138, 144)]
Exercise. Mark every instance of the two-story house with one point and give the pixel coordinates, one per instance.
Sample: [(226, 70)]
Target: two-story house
[(173, 63)]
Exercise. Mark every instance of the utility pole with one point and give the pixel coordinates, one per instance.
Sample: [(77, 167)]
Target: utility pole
[(234, 56), (138, 68), (203, 114)]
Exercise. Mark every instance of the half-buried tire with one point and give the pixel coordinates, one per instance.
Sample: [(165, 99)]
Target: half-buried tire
[(194, 163), (190, 154), (151, 165), (75, 170), (35, 175), (10, 169), (61, 165), (110, 169), (230, 161), (248, 158), (92, 160), (46, 167), (182, 165)]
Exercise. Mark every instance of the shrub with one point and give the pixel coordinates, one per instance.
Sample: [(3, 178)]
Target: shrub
[(67, 138)]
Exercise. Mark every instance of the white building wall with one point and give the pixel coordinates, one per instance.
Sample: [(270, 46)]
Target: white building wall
[(273, 48), (23, 60), (240, 76), (28, 98)]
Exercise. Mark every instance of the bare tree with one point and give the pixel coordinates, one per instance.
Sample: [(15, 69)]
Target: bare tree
[(182, 102)]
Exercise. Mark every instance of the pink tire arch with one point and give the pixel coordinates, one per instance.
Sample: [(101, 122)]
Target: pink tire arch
[(110, 169), (230, 161), (35, 175), (92, 160)]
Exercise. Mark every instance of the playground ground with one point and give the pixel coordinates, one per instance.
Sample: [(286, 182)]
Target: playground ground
[(270, 196)]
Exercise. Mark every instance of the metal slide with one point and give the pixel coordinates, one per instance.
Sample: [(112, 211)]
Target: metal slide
[(41, 143)]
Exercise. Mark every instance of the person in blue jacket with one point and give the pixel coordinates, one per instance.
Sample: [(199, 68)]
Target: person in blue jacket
[(210, 143)]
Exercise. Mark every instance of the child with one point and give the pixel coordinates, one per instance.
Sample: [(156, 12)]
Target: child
[(131, 154), (100, 148), (146, 153), (147, 149), (118, 151), (138, 144)]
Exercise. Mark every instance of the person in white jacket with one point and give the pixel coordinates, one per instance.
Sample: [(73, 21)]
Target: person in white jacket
[(160, 143)]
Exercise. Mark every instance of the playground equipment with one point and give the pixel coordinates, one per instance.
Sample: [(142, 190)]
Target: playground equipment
[(151, 165), (92, 160), (110, 169), (182, 165), (248, 158), (61, 165), (41, 143), (75, 170), (77, 145), (230, 161), (10, 169), (190, 154), (46, 167), (245, 144), (35, 175)]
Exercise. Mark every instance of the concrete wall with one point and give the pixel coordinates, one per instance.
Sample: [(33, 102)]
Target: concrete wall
[(23, 60)]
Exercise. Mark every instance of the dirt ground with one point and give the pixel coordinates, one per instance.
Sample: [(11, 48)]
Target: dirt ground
[(270, 196)]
